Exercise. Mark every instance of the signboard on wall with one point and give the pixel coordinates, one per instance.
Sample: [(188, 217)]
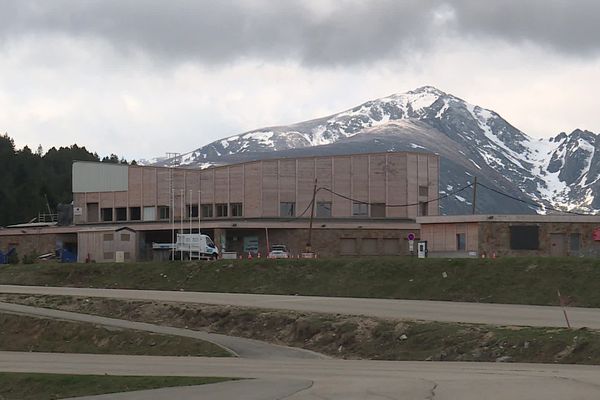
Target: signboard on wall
[(250, 244), (596, 234)]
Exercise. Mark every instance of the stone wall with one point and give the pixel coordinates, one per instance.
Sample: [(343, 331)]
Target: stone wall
[(555, 238), (325, 242), (34, 243)]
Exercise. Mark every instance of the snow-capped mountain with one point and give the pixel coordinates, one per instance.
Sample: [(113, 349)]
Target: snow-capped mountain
[(563, 171)]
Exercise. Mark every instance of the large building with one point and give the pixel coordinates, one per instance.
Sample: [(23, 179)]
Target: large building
[(365, 204)]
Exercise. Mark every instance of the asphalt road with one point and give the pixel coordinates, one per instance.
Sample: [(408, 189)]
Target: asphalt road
[(340, 379), (497, 314), (296, 376), (251, 389), (241, 347)]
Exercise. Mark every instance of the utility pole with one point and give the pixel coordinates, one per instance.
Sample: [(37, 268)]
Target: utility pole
[(475, 196), (312, 214)]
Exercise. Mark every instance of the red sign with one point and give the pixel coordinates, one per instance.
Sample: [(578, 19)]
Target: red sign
[(596, 234)]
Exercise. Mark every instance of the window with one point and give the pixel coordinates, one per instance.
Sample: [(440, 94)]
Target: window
[(164, 212), (127, 255), (378, 210), (192, 210), (323, 209), (206, 210), (524, 237), (135, 213), (149, 213), (221, 210), (360, 209), (107, 237), (423, 191), (423, 210), (287, 209), (92, 212), (109, 255), (461, 242), (106, 214), (125, 237), (121, 213), (236, 209)]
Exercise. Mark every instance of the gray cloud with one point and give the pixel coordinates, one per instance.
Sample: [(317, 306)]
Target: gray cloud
[(348, 32)]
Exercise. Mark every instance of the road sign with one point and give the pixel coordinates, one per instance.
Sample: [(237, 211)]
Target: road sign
[(411, 245), (411, 236)]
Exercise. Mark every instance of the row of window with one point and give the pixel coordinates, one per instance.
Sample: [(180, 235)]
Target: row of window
[(151, 213), (223, 210)]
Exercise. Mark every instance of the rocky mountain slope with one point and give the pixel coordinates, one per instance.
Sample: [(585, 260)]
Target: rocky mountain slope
[(563, 171)]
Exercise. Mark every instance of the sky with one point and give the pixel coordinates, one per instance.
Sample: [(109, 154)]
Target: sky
[(142, 78)]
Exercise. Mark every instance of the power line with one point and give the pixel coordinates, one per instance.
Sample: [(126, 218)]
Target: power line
[(398, 205), (531, 203)]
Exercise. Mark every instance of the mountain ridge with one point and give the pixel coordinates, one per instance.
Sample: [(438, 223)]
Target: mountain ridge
[(562, 171)]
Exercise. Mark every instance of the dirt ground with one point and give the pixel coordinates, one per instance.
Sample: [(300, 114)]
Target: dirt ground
[(351, 337)]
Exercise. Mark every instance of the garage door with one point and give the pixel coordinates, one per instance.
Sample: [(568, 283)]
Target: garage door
[(347, 246), (369, 247)]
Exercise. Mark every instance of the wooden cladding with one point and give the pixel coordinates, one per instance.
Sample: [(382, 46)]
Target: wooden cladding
[(389, 180)]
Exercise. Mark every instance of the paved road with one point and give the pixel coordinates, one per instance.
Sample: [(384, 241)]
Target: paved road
[(252, 389), (246, 348), (498, 314), (343, 379)]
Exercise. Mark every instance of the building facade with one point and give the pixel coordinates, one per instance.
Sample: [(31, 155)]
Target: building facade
[(511, 235)]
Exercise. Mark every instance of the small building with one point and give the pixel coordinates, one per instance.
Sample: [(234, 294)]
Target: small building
[(107, 244), (511, 235)]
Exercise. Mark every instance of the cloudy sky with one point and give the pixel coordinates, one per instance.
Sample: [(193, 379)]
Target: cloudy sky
[(140, 78)]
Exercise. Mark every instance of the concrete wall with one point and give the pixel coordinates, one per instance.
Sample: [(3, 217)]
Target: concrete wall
[(261, 186)]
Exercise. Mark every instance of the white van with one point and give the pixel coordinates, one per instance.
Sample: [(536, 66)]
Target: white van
[(195, 246)]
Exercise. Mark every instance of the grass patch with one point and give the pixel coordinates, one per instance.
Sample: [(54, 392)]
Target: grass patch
[(27, 386), (352, 337), (49, 335), (522, 280)]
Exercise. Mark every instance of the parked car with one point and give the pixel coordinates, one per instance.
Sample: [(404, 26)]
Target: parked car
[(279, 251)]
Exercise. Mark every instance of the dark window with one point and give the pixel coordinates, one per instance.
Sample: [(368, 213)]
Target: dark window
[(126, 255), (287, 209), (461, 242), (121, 213), (109, 255), (106, 214), (192, 210), (107, 237), (574, 242), (423, 191), (524, 237), (378, 210), (360, 209), (423, 209), (221, 210), (135, 213), (207, 210), (164, 212), (125, 237), (236, 209), (323, 209)]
